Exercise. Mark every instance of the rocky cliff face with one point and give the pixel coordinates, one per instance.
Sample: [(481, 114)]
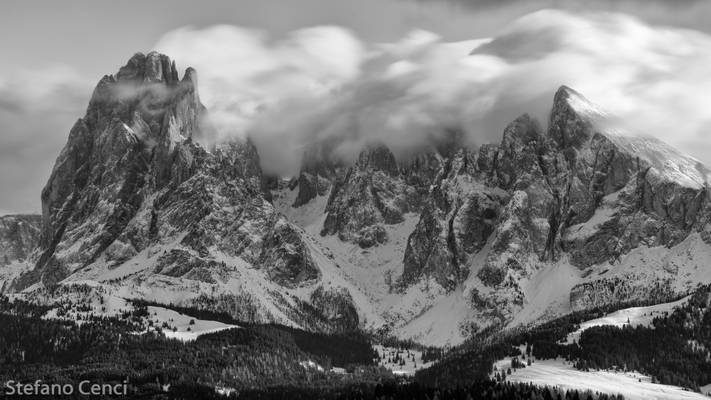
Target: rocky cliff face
[(136, 203), (371, 194), (19, 241), (19, 237), (494, 222), (432, 247)]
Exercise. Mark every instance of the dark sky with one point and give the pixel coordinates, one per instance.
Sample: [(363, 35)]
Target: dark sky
[(53, 52)]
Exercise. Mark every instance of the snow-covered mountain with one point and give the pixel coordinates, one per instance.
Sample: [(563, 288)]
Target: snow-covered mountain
[(433, 247)]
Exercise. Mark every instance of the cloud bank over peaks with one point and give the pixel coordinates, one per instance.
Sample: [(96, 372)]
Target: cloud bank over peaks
[(243, 71), (325, 84)]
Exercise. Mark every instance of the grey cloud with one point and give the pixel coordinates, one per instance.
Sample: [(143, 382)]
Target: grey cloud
[(36, 111), (404, 92)]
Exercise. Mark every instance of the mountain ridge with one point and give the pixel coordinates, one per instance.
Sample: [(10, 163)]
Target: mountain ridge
[(433, 248)]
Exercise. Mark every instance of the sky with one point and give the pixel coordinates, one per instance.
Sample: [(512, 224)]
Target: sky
[(385, 69)]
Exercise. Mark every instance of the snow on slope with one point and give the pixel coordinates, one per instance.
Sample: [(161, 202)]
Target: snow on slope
[(547, 292), (12, 271), (668, 162), (186, 328), (369, 274), (632, 385), (607, 210), (685, 265), (438, 324), (78, 307), (634, 316)]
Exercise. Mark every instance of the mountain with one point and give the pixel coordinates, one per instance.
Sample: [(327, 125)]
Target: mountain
[(434, 247), (19, 237)]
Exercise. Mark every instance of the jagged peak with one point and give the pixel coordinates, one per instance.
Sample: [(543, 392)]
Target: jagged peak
[(670, 164), (523, 129), (568, 97), (151, 77), (190, 75), (572, 118), (153, 67), (377, 156)]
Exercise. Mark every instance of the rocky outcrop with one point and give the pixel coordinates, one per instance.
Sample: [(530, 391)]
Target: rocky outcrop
[(456, 222), (133, 176), (120, 151), (371, 194), (581, 190), (319, 170), (19, 237), (137, 202)]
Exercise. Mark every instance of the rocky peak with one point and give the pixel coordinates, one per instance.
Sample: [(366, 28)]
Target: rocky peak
[(370, 194), (517, 158), (319, 170), (136, 137), (570, 119), (153, 67), (377, 157)]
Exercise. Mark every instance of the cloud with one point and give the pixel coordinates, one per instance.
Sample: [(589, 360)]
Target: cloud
[(37, 108), (241, 70), (324, 84)]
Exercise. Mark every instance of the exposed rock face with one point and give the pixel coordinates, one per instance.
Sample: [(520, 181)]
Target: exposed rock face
[(311, 186), (579, 192), (456, 221), (19, 237), (137, 124), (133, 183), (370, 194), (19, 246), (318, 172), (137, 204)]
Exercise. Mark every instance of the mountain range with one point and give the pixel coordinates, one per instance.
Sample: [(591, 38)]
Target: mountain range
[(562, 216)]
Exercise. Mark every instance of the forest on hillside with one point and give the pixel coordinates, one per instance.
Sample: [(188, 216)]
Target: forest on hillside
[(674, 350), (253, 362)]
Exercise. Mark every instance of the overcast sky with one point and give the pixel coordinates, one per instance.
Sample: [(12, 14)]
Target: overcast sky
[(54, 52)]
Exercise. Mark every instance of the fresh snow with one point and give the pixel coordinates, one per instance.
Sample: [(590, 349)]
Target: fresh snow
[(591, 226), (634, 316), (559, 373), (363, 272), (668, 163), (685, 265), (547, 292), (184, 330), (438, 325)]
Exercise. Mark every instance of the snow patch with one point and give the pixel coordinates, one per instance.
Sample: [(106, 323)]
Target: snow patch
[(311, 365), (559, 373), (634, 316), (186, 328)]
